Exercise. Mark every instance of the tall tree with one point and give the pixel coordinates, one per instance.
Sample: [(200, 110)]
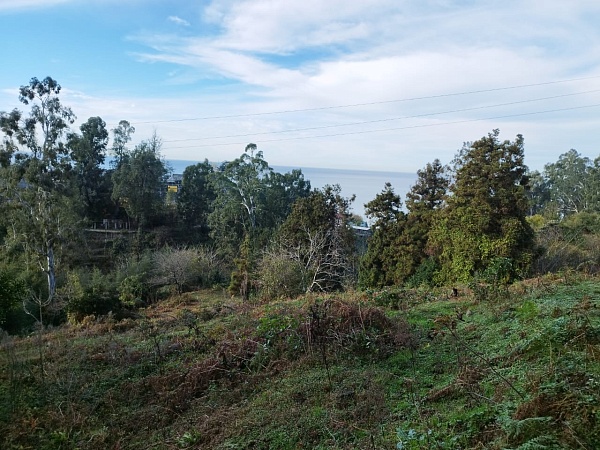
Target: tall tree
[(251, 198), (88, 151), (194, 202), (485, 217), (251, 202), (317, 238), (36, 173), (571, 183), (398, 245), (139, 181), (283, 190), (240, 200), (429, 192), (122, 134), (424, 202), (380, 265), (540, 201)]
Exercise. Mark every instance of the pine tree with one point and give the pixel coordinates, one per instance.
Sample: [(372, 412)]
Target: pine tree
[(485, 218)]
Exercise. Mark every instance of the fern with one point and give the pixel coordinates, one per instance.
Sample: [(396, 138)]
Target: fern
[(545, 442)]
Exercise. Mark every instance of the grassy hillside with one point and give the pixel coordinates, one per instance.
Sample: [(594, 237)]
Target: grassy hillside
[(490, 368)]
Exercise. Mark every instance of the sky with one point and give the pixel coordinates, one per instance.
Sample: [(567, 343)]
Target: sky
[(386, 85)]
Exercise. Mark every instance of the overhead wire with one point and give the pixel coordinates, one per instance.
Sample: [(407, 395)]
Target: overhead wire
[(366, 122), (322, 108), (395, 128)]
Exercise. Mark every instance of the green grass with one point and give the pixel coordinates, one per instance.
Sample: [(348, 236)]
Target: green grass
[(413, 369)]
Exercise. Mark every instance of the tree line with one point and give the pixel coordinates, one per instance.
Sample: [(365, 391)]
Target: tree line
[(259, 232)]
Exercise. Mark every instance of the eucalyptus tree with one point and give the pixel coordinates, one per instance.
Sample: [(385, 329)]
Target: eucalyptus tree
[(122, 134), (36, 173), (251, 201), (194, 201), (539, 195), (88, 152), (573, 183), (240, 191), (139, 181)]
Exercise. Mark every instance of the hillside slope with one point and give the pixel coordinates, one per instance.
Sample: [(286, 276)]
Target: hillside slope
[(490, 368)]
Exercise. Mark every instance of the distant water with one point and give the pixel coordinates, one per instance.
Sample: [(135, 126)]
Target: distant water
[(365, 184)]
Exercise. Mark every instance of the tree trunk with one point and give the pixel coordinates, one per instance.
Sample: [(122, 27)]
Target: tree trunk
[(51, 272)]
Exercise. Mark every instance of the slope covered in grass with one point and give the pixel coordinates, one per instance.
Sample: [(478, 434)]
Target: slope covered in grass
[(490, 368)]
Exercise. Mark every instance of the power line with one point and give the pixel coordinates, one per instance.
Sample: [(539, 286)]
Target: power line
[(321, 127), (395, 128), (232, 116)]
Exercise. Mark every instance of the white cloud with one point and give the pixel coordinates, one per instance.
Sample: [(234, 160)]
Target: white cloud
[(178, 21), (290, 54)]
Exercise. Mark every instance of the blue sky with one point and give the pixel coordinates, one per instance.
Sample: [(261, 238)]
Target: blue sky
[(210, 76)]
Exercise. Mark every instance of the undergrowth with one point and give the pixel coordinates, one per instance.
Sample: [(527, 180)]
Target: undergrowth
[(472, 368)]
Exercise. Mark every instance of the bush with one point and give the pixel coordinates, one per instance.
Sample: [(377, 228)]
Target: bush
[(573, 244), (210, 267), (133, 280), (12, 293), (176, 267), (280, 277), (131, 291), (90, 294)]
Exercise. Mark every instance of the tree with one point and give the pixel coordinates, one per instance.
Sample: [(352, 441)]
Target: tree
[(283, 190), (429, 192), (194, 202), (12, 293), (240, 192), (380, 264), (398, 246), (36, 175), (121, 136), (540, 201), (251, 199), (485, 218), (139, 181), (316, 236), (88, 151), (243, 181), (424, 202), (573, 184)]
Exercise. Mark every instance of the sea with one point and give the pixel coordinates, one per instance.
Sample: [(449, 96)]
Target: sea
[(364, 184)]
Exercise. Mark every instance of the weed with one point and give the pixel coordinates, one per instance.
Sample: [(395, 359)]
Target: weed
[(412, 439), (189, 439)]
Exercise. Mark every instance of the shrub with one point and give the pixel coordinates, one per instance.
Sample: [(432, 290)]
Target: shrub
[(176, 267), (210, 267), (278, 276), (90, 294), (573, 244), (12, 292), (133, 280), (131, 291)]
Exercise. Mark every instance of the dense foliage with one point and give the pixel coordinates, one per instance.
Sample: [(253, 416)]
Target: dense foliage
[(121, 231), (484, 221)]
